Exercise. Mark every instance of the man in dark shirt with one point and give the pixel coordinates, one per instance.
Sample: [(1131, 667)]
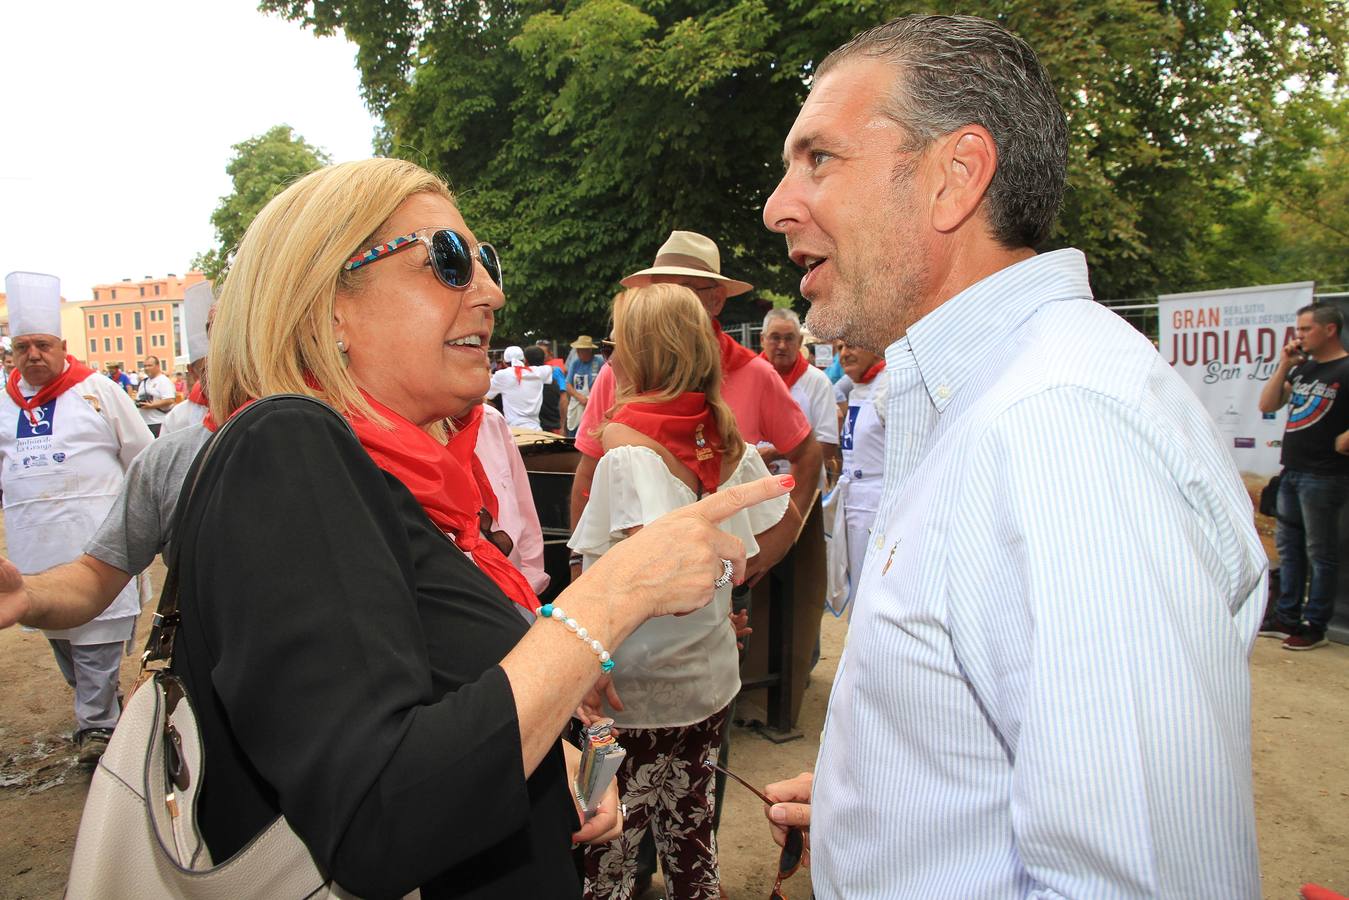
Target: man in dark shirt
[(550, 411), (1312, 372)]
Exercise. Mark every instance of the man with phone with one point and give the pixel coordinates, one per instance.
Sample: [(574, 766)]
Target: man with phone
[(1315, 479), (155, 395)]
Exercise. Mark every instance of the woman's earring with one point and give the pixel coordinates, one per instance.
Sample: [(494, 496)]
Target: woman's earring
[(342, 353)]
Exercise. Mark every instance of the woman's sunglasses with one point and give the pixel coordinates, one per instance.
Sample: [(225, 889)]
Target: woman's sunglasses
[(792, 848), (451, 254)]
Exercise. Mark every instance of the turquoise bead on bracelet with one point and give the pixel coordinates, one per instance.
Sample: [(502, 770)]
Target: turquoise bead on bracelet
[(549, 611)]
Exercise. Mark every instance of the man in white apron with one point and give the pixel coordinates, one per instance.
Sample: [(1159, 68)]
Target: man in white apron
[(859, 488), (67, 435)]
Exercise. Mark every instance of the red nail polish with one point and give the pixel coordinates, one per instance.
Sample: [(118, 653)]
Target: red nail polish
[(787, 481)]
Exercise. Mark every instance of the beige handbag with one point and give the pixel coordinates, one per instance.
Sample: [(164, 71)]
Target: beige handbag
[(138, 836)]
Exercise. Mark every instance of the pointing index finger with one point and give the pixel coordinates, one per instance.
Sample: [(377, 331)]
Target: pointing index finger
[(720, 506)]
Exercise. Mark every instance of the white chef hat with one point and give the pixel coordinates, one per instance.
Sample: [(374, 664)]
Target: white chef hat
[(34, 303), (196, 306)]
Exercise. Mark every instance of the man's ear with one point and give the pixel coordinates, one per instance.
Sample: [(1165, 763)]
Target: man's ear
[(964, 163)]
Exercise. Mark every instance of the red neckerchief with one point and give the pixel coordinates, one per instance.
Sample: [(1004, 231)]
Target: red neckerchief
[(198, 393), (74, 373), (795, 374), (684, 426), (871, 373), (449, 483), (733, 354)]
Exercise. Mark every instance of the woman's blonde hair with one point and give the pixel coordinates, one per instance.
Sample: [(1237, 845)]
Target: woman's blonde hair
[(273, 329), (664, 346)]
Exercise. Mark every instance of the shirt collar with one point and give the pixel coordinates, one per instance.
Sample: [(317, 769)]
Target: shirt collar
[(953, 340)]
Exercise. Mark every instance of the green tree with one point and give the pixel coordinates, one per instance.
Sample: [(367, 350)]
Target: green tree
[(260, 168), (578, 134)]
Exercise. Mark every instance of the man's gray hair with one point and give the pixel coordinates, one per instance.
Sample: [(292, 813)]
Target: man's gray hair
[(963, 70), (782, 312)]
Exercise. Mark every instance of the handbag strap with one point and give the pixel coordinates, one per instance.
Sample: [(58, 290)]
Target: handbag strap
[(159, 646)]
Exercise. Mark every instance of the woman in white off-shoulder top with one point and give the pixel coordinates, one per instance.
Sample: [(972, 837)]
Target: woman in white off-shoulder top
[(669, 439)]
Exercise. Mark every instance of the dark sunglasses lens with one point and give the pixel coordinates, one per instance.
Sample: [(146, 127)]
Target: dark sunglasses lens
[(791, 852), (451, 258), (491, 262)]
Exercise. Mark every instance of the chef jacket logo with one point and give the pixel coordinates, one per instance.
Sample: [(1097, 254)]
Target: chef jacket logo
[(36, 422), (59, 457), (33, 462)]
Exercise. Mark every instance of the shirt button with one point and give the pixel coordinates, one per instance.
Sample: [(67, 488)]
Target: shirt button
[(943, 392)]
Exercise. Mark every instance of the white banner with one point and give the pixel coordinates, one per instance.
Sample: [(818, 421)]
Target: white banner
[(1226, 344)]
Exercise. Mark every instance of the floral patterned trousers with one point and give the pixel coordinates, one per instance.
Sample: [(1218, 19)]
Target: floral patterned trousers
[(668, 788)]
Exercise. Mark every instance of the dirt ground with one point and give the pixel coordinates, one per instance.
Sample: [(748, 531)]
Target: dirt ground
[(1300, 716)]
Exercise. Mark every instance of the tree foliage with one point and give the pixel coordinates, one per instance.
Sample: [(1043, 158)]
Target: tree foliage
[(261, 167), (578, 134)]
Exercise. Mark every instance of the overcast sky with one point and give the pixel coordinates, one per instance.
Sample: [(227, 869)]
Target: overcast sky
[(119, 117)]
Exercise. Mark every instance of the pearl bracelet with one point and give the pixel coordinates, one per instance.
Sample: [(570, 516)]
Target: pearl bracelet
[(549, 611)]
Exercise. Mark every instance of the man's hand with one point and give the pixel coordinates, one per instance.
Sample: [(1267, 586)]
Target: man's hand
[(14, 602), (1342, 443), (792, 808), (1292, 354), (769, 454)]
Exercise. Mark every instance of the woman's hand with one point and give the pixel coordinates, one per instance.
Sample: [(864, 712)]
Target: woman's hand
[(592, 704), (606, 824), (669, 566)]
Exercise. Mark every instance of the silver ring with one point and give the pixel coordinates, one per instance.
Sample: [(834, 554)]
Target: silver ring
[(727, 570)]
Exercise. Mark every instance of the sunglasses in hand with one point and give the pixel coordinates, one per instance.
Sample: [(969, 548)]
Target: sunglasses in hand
[(793, 848)]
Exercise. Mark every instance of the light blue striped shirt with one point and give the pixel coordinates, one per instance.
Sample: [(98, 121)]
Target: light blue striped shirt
[(1045, 690)]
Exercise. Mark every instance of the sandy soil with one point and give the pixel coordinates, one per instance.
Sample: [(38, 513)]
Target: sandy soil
[(1300, 714)]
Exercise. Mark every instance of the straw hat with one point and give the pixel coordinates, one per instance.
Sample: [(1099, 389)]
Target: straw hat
[(691, 254), (584, 342)]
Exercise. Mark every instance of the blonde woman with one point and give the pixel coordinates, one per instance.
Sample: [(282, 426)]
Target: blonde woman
[(362, 659), (669, 439)]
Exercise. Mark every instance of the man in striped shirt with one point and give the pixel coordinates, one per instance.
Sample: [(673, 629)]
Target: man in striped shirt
[(1045, 691)]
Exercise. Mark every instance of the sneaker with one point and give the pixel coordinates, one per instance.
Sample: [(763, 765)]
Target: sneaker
[(1307, 638), (1275, 627), (92, 742)]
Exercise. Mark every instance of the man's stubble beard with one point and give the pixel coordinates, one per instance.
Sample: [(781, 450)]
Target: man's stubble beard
[(875, 307)]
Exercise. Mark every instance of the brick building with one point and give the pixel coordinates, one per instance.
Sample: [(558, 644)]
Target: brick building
[(129, 320)]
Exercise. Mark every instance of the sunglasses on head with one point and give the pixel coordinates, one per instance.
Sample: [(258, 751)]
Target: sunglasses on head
[(793, 848), (452, 256)]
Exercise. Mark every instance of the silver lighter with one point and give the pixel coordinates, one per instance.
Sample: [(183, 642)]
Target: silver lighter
[(601, 756)]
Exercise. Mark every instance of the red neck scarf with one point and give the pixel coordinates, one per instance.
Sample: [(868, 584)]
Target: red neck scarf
[(795, 374), (74, 373), (871, 373), (733, 355), (685, 427), (449, 483), (198, 393)]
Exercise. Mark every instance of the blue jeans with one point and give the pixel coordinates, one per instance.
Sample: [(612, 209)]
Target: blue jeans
[(1308, 531)]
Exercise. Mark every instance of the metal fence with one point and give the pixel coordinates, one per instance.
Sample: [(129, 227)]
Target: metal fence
[(1142, 313)]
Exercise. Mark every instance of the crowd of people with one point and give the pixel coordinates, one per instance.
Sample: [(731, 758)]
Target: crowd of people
[(1024, 709)]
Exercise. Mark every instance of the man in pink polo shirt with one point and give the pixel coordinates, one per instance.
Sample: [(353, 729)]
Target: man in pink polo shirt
[(764, 409)]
